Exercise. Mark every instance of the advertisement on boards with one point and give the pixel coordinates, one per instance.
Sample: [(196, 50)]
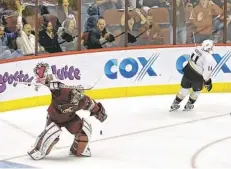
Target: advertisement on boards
[(136, 68), (24, 72), (63, 73), (141, 67)]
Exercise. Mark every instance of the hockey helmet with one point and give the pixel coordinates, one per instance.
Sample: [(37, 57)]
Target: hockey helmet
[(207, 45)]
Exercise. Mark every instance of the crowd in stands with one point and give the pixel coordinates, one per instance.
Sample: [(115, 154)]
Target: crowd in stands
[(103, 25)]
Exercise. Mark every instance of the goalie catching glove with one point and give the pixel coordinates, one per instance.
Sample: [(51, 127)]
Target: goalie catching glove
[(100, 114), (208, 85)]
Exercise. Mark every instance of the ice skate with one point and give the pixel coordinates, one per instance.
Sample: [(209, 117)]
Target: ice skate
[(188, 106), (175, 106), (87, 153)]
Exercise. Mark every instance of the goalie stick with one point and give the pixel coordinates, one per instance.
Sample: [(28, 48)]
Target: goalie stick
[(78, 87)]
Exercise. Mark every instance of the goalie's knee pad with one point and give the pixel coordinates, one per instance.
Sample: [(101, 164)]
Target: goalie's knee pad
[(80, 146), (45, 141)]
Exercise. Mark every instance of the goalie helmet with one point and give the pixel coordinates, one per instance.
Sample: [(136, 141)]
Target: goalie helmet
[(207, 45)]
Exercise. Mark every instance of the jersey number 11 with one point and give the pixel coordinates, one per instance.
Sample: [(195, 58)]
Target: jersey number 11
[(194, 58)]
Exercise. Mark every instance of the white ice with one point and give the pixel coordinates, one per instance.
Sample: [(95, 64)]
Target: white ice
[(140, 132)]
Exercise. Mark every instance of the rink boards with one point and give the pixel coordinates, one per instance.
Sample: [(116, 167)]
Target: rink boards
[(121, 73)]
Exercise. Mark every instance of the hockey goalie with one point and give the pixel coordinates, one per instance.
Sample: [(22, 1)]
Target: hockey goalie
[(62, 113)]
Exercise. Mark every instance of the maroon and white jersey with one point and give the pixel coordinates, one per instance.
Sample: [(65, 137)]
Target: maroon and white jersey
[(65, 102)]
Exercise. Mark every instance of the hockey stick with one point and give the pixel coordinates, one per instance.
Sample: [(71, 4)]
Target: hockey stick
[(114, 37), (131, 38), (78, 87), (81, 87)]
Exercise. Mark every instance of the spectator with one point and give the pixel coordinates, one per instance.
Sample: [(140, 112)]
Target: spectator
[(26, 40), (49, 39), (99, 35), (190, 27), (10, 8), (218, 25), (6, 46), (93, 12), (181, 32), (202, 16), (150, 33), (68, 34), (105, 5), (64, 10), (136, 19), (85, 5), (9, 14)]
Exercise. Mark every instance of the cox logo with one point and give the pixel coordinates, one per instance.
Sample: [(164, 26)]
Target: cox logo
[(221, 63), (130, 67)]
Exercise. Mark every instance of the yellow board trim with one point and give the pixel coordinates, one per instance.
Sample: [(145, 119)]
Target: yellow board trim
[(109, 93)]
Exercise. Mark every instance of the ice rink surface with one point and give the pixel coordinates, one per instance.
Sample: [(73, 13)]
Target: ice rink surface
[(140, 132)]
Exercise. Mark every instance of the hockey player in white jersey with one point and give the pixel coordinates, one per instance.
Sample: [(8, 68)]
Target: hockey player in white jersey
[(197, 74)]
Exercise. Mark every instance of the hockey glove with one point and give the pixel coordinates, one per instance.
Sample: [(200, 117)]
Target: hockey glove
[(67, 37), (208, 85), (100, 114), (110, 38)]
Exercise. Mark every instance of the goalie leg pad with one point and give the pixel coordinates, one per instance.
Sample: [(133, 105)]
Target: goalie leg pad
[(45, 141), (80, 146)]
